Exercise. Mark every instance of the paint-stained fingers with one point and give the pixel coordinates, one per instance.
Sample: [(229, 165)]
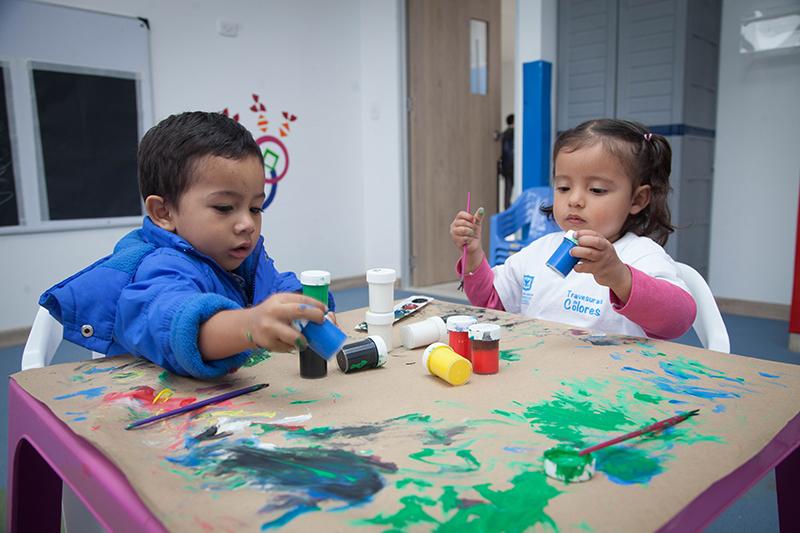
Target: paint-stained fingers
[(313, 311), (478, 217), (288, 339)]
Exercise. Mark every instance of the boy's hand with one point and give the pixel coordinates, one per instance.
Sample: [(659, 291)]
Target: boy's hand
[(271, 321), (466, 230), (599, 258)]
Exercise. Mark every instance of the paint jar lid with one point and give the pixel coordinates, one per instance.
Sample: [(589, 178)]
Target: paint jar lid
[(460, 323), (379, 319), (427, 353), (315, 277), (381, 275), (485, 332), (380, 345), (570, 235)]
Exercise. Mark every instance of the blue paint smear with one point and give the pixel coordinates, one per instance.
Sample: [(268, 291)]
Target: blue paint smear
[(674, 387), (640, 371), (670, 369), (608, 461), (771, 376), (89, 393), (99, 369), (298, 480), (719, 408), (289, 516), (677, 401), (516, 449), (616, 356)]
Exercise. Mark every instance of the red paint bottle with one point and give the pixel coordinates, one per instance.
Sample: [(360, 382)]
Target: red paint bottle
[(458, 334), (485, 348)]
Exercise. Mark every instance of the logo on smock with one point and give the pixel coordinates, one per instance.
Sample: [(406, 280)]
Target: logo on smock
[(527, 285)]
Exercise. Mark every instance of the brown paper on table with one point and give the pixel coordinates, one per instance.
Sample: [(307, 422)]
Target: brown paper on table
[(395, 447)]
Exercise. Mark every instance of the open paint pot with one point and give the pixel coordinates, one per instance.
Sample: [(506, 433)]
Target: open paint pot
[(566, 465)]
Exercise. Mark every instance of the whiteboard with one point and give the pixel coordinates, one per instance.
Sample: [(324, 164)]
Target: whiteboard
[(34, 35)]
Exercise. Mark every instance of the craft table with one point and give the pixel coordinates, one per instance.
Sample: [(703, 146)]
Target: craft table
[(396, 448)]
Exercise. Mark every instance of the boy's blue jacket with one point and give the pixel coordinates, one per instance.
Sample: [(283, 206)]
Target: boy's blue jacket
[(150, 296)]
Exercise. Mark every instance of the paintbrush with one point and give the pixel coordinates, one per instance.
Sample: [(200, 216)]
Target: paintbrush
[(198, 405), (464, 252), (658, 426)]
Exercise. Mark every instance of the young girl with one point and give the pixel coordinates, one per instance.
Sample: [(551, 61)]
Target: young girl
[(610, 180)]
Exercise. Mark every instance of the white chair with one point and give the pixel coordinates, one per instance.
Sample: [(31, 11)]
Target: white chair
[(708, 323), (45, 336)]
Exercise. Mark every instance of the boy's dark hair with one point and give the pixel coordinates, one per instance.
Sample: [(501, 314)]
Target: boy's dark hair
[(646, 156), (169, 150)]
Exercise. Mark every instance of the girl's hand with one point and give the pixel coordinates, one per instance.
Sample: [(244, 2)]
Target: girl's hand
[(599, 258), (270, 324), (465, 230)]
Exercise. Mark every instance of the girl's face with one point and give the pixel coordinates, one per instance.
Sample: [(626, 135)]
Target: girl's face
[(592, 190)]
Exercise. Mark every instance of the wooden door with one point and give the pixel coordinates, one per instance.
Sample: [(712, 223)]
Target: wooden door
[(451, 145)]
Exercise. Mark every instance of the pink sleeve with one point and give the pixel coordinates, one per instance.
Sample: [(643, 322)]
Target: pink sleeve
[(663, 310), (479, 286)]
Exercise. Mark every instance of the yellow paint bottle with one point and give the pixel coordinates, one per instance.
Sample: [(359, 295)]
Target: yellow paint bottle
[(442, 361)]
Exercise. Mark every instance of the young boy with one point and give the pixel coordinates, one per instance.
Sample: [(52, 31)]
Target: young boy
[(193, 290)]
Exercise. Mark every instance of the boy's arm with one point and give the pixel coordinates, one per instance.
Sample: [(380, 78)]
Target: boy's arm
[(160, 314), (662, 309)]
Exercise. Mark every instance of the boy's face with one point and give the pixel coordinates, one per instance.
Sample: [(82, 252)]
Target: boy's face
[(220, 213)]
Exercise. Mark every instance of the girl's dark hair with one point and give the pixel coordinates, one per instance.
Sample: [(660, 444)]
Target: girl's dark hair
[(169, 151), (647, 157)]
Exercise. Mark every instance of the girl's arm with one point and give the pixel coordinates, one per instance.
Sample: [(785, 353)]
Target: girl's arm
[(479, 286), (662, 309)]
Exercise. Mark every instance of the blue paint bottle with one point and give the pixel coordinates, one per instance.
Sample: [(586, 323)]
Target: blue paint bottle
[(324, 339), (561, 262)]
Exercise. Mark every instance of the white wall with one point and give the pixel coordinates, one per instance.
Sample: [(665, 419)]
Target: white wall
[(336, 65), (756, 169)]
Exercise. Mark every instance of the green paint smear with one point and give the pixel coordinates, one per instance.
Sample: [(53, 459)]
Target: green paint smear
[(683, 365), (302, 401), (416, 418), (510, 355), (628, 465), (419, 483), (648, 353), (511, 416), (258, 356), (165, 378), (564, 419), (584, 526), (514, 510), (360, 364), (569, 464), (647, 397), (470, 464)]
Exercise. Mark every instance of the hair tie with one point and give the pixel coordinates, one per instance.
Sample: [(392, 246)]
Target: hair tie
[(648, 136)]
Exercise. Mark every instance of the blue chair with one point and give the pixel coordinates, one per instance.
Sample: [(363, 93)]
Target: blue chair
[(524, 214)]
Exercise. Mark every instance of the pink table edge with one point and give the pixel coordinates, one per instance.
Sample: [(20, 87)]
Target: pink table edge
[(781, 453), (99, 484), (107, 493)]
